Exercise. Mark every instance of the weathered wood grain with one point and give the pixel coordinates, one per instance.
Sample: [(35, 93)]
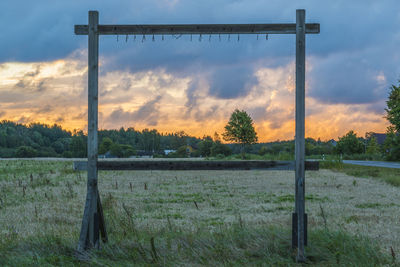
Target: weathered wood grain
[(89, 233), (300, 131), (288, 28)]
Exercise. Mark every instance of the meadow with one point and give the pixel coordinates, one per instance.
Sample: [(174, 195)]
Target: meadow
[(195, 218)]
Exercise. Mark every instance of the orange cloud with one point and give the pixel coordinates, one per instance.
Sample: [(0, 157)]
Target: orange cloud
[(56, 92)]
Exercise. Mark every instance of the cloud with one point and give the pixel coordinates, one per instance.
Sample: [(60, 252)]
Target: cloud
[(354, 49), (3, 113), (148, 113), (231, 81), (60, 120), (192, 85), (352, 79), (45, 109)]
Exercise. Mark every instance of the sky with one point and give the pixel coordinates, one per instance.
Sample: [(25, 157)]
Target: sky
[(194, 84)]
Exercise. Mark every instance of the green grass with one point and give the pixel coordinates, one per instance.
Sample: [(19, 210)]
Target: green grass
[(388, 175), (179, 219), (236, 244)]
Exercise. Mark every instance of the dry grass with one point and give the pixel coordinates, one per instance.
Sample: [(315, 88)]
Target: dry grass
[(191, 200)]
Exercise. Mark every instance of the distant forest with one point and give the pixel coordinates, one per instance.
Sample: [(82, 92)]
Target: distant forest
[(41, 140)]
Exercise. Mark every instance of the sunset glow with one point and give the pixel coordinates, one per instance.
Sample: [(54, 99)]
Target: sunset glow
[(56, 92), (183, 83)]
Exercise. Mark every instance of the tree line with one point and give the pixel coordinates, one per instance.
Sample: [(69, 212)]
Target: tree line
[(41, 140)]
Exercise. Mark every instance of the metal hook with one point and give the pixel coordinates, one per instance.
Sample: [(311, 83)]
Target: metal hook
[(200, 38), (191, 37), (257, 37), (238, 37), (229, 37), (209, 38), (134, 37), (143, 38), (153, 39), (117, 37), (266, 36), (219, 37), (126, 40), (162, 37)]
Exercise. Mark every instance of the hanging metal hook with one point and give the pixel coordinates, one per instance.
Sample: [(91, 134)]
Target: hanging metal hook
[(134, 37), (266, 36), (238, 37), (229, 37), (191, 37), (162, 37), (143, 38), (153, 39), (209, 38), (219, 37), (200, 38), (117, 37), (257, 37), (126, 40)]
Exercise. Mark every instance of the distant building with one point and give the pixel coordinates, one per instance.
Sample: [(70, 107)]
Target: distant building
[(107, 155), (167, 151), (333, 142)]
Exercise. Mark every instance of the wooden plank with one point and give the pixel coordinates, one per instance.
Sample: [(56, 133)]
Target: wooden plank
[(300, 131), (102, 224), (194, 165), (289, 28), (89, 236)]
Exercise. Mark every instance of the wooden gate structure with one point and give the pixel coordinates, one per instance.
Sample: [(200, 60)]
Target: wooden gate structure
[(93, 220)]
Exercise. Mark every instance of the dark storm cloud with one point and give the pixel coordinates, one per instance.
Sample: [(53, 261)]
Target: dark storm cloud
[(358, 40), (148, 113), (232, 81), (191, 95), (351, 81)]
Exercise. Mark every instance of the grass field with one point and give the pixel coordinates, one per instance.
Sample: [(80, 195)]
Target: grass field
[(388, 175), (193, 218)]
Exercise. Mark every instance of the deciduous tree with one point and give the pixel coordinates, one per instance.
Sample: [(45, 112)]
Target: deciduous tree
[(240, 129)]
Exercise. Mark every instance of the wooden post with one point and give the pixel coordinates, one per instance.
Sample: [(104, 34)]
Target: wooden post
[(89, 236), (300, 132)]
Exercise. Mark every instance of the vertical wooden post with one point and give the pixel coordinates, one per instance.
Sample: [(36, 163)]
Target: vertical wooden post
[(300, 132), (89, 236)]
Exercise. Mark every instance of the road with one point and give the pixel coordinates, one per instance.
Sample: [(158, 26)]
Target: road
[(384, 164)]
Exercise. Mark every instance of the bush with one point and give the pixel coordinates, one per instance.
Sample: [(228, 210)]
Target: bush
[(219, 148), (67, 154), (25, 152), (7, 152)]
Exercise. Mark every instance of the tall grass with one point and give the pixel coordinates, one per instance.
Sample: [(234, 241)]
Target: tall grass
[(236, 244), (40, 227)]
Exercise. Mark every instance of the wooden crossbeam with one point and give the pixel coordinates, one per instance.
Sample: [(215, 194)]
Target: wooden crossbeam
[(176, 29), (195, 165)]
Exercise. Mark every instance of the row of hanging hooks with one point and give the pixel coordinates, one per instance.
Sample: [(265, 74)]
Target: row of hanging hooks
[(177, 36)]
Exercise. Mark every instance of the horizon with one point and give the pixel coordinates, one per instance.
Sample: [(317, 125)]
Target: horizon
[(177, 84), (188, 134)]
